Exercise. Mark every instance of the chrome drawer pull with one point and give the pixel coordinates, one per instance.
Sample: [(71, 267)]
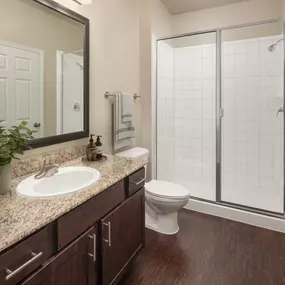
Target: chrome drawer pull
[(109, 240), (140, 182), (11, 274), (93, 237)]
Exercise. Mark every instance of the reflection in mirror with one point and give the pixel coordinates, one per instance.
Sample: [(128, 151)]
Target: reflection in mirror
[(41, 69)]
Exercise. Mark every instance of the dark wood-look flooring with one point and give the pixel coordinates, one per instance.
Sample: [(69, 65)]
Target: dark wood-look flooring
[(210, 251)]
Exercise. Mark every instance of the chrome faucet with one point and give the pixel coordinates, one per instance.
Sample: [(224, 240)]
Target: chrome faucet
[(47, 170)]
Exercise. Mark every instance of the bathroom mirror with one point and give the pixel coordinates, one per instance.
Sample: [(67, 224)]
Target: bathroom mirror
[(44, 70)]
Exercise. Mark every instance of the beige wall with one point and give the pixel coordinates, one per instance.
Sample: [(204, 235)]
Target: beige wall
[(47, 31), (114, 60), (154, 22), (121, 59), (138, 19), (229, 15), (160, 19)]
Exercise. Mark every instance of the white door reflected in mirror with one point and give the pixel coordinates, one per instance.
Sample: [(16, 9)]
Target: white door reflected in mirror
[(21, 86), (70, 96), (30, 82)]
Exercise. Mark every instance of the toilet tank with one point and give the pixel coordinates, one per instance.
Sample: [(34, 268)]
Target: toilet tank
[(136, 152)]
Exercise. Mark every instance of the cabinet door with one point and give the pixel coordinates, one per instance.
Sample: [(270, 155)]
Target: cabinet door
[(74, 265), (26, 257), (122, 237)]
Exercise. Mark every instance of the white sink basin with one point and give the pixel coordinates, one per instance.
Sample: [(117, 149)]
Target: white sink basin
[(67, 180)]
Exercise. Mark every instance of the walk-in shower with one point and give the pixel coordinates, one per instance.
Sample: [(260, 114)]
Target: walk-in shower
[(219, 129)]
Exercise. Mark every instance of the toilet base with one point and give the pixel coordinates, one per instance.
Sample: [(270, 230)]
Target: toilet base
[(162, 223)]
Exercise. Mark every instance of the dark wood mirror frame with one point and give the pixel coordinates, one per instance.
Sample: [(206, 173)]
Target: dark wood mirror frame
[(85, 133)]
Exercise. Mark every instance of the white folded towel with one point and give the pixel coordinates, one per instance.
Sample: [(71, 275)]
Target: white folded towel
[(123, 130), (126, 101)]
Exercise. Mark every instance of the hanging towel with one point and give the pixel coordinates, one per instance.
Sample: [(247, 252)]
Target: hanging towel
[(122, 130), (118, 146), (126, 101)]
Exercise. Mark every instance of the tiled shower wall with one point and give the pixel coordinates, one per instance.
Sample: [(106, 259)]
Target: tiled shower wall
[(194, 119), (186, 118), (252, 134), (165, 113), (252, 164)]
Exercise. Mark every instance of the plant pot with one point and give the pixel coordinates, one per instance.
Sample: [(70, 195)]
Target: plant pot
[(5, 178)]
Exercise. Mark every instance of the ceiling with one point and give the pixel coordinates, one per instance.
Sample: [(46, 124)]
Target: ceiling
[(184, 6)]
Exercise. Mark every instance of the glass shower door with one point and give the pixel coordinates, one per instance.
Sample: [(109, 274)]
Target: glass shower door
[(252, 126), (186, 113)]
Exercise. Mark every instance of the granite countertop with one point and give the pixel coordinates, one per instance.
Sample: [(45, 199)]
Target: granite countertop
[(22, 216)]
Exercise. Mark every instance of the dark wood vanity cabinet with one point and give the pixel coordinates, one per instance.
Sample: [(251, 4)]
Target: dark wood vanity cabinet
[(135, 182), (122, 237), (24, 258), (90, 245), (76, 264)]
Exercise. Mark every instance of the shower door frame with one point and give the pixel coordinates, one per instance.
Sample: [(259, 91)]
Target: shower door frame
[(219, 114)]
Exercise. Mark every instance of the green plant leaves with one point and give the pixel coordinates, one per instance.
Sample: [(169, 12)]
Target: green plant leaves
[(13, 141)]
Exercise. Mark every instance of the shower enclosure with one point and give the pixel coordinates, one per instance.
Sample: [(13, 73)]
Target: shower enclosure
[(220, 123)]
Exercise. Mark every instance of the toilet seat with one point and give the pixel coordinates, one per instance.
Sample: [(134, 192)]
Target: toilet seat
[(166, 190), (165, 200)]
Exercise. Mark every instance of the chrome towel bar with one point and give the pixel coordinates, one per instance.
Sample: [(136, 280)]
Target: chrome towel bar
[(108, 94)]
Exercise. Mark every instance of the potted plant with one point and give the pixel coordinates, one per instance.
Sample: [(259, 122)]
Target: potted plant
[(12, 142)]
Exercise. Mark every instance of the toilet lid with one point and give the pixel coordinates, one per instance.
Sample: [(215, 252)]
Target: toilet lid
[(166, 189)]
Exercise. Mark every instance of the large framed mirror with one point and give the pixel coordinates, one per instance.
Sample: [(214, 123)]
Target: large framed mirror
[(44, 70)]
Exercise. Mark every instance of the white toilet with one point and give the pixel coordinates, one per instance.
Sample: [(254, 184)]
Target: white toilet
[(163, 199)]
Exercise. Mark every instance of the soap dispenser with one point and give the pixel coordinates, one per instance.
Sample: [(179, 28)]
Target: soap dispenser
[(99, 148), (91, 150)]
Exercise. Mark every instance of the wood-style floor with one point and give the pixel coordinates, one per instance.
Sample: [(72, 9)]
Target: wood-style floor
[(210, 251)]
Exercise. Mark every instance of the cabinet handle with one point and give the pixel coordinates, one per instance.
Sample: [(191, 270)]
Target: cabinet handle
[(11, 274), (109, 240), (140, 182), (93, 237)]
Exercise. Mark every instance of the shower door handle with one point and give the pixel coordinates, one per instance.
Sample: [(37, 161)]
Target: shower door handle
[(280, 110)]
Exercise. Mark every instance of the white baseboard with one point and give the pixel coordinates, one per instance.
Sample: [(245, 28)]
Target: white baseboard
[(258, 220)]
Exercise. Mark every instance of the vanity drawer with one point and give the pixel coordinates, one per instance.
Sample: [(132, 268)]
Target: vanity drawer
[(17, 263), (86, 215), (136, 182)]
